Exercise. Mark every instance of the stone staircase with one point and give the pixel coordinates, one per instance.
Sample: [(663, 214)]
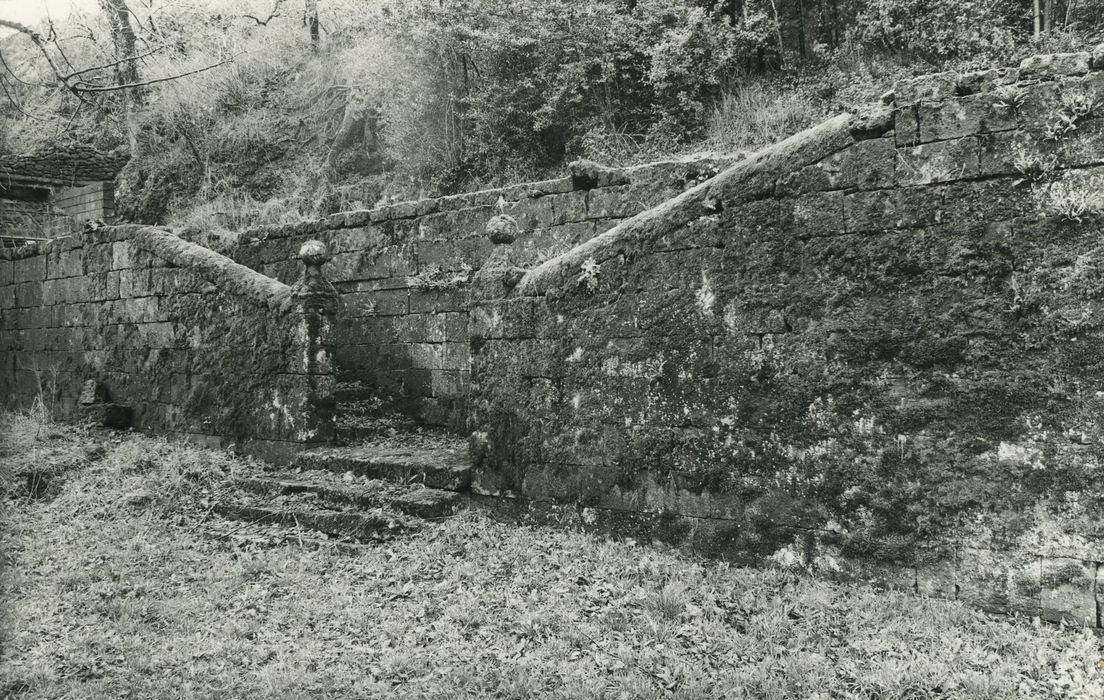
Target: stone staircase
[(386, 477)]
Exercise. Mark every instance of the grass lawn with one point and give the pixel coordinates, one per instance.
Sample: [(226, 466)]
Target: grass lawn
[(119, 583)]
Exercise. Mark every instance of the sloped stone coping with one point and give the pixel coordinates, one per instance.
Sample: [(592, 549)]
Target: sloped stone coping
[(646, 172), (219, 269), (750, 179)]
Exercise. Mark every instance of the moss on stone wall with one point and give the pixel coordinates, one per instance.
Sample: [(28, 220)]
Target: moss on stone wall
[(880, 334), (193, 342)]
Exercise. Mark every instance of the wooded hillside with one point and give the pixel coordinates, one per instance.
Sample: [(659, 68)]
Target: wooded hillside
[(272, 110)]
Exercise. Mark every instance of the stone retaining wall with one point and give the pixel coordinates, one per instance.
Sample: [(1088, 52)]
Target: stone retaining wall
[(405, 270), (194, 343), (878, 340)]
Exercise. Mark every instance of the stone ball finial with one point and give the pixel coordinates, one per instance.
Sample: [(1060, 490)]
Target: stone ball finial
[(314, 254), (502, 229), (312, 284)]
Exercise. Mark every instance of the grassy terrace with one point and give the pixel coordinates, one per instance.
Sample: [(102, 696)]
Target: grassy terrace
[(116, 581)]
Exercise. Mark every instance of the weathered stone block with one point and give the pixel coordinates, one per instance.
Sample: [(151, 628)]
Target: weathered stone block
[(963, 116), (144, 310), (120, 255), (358, 218), (529, 213), (69, 263), (817, 214), (894, 576), (1007, 152), (102, 286), (51, 293), (985, 201), (867, 165), (446, 327), (906, 126), (615, 202), (936, 577), (1055, 64), (92, 392), (382, 303), (568, 207), (29, 269), (438, 300), (940, 161), (1069, 590), (427, 206), (156, 335), (137, 282), (97, 258), (893, 209), (986, 80), (393, 356), (448, 383), (28, 294), (999, 581), (938, 86)]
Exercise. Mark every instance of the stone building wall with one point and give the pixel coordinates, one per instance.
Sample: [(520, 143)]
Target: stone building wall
[(95, 202), (881, 340), (21, 219), (193, 343), (405, 271)]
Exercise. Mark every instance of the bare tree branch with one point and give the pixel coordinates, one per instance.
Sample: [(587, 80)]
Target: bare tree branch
[(36, 39), (15, 103), (83, 86), (115, 63), (78, 87), (11, 71), (53, 38), (271, 15)]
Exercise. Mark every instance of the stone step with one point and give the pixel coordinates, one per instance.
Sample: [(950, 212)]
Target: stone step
[(261, 534), (367, 409), (355, 391), (353, 434), (443, 465), (414, 500), (297, 511)]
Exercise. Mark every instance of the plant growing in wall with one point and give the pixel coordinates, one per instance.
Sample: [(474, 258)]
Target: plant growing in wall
[(1072, 201), (588, 275), (1010, 98), (1075, 108), (433, 277), (1033, 167)]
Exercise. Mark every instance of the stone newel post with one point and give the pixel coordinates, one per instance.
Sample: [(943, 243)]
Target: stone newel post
[(315, 305)]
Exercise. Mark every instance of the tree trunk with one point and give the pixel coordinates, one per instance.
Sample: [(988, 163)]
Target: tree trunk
[(1036, 16), (778, 35), (123, 39), (1048, 15), (126, 71), (310, 18), (801, 35)]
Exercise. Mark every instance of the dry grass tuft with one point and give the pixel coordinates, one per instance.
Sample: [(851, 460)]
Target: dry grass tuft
[(758, 115)]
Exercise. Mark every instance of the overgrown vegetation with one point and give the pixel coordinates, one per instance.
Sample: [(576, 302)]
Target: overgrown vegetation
[(122, 584), (291, 109)]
